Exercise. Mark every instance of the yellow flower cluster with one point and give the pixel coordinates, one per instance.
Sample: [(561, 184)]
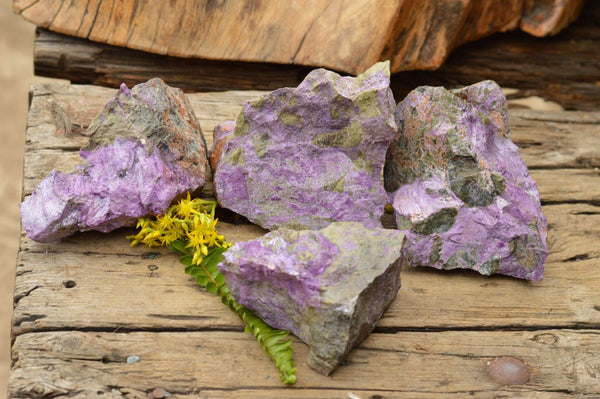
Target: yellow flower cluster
[(191, 221)]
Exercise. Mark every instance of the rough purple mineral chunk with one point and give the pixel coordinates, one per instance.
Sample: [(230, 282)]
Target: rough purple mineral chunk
[(304, 157), (146, 148), (329, 287), (461, 191)]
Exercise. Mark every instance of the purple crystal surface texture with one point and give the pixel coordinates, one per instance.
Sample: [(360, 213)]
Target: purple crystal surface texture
[(145, 149), (328, 286), (460, 190), (307, 156)]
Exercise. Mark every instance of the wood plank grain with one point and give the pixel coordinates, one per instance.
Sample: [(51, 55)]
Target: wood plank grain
[(231, 30), (564, 69), (58, 284), (436, 337), (60, 114), (127, 280), (403, 364), (568, 185), (87, 62), (347, 36), (366, 394), (565, 139)]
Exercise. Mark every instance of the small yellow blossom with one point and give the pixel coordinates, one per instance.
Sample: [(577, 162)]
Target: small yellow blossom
[(191, 221), (185, 209)]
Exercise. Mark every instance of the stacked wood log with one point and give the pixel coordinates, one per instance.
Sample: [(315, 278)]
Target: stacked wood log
[(345, 36), (564, 68)]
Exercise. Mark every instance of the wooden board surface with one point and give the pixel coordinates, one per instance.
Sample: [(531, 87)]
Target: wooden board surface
[(346, 36), (564, 68), (83, 305), (392, 365)]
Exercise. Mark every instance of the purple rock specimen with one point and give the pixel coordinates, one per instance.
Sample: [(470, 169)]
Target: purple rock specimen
[(461, 191), (146, 148), (304, 157), (329, 287)]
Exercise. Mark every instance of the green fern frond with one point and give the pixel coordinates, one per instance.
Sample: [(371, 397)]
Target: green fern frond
[(273, 341), (189, 228)]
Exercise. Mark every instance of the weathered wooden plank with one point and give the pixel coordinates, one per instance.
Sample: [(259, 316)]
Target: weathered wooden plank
[(565, 139), (366, 394), (428, 299), (60, 114), (403, 364), (88, 62), (58, 284), (336, 34), (193, 346), (568, 185), (564, 68)]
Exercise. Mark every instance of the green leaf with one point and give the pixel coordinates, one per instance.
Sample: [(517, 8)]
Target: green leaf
[(202, 281), (273, 343), (220, 280), (214, 257), (211, 287), (186, 260), (189, 270), (179, 246)]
